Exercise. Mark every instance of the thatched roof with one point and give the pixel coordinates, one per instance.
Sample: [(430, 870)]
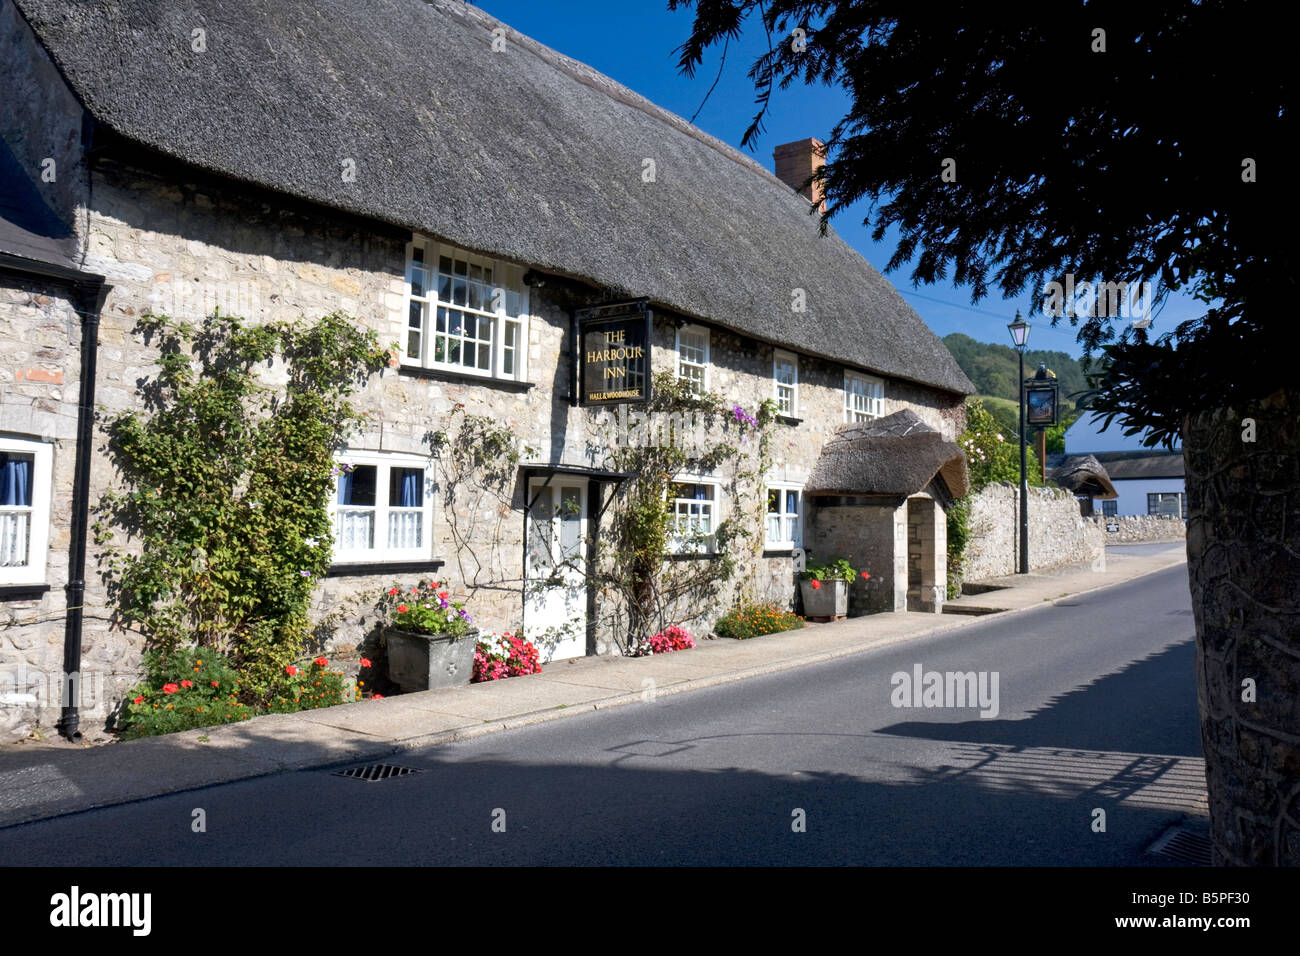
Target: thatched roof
[(897, 455), (1126, 465), (524, 154), (1081, 474)]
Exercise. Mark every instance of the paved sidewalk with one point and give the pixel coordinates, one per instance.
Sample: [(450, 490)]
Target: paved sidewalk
[(41, 782)]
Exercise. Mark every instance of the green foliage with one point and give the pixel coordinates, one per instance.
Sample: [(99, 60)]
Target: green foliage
[(990, 457), (1027, 208), (840, 568), (750, 619), (424, 609), (226, 482), (958, 536), (310, 688), (995, 371), (191, 687), (161, 704), (633, 556)]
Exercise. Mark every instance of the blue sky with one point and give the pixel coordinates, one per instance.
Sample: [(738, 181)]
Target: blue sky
[(633, 41)]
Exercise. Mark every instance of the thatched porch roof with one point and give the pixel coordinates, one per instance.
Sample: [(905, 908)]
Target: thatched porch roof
[(897, 455)]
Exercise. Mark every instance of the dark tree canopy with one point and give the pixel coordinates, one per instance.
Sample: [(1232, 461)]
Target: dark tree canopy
[(1122, 165)]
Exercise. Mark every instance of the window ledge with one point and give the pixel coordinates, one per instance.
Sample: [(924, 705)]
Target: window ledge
[(779, 551), (22, 592), (446, 375), (692, 556), (375, 568), (789, 420)]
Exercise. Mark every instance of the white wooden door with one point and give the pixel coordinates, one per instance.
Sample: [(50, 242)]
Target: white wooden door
[(555, 589)]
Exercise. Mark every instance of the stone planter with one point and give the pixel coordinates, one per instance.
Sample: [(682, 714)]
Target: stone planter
[(429, 661), (827, 602)]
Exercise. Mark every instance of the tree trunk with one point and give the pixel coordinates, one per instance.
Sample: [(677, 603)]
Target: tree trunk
[(1243, 551)]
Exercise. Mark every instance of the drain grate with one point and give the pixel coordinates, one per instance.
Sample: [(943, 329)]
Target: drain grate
[(1183, 846), (375, 772)]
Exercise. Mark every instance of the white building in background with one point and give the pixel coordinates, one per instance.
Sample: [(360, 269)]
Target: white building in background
[(1149, 481)]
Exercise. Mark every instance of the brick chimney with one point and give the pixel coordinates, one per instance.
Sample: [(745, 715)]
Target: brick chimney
[(796, 161)]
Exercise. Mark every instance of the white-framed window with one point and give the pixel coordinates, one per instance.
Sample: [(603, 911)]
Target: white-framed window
[(785, 374), (784, 516), (693, 358), (25, 478), (864, 397), (464, 313), (382, 507), (695, 515)]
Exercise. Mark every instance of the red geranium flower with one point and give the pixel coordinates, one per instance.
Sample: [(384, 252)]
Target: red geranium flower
[(401, 609), (186, 683), (139, 700), (392, 592), (415, 590), (365, 662), (170, 688), (291, 670), (321, 661), (816, 584), (443, 595), (433, 584), (865, 576), (214, 683), (376, 696)]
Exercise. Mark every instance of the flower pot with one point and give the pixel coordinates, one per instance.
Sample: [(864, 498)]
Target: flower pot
[(429, 661), (827, 602)]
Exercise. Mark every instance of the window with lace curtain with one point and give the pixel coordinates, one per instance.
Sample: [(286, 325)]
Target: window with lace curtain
[(24, 509), (382, 508)]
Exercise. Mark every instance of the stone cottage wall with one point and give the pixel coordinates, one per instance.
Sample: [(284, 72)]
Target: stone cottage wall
[(176, 242), (40, 372), (1058, 535), (1137, 528)]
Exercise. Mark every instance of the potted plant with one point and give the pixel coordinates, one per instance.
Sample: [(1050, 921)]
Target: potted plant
[(430, 638), (825, 588)]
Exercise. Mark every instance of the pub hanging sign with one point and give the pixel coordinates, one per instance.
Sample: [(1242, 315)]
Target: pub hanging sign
[(613, 346)]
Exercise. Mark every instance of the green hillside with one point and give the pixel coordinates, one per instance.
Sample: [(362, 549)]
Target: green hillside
[(994, 369)]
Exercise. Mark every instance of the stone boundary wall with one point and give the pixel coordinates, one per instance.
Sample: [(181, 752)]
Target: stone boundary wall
[(1134, 528), (1058, 535)]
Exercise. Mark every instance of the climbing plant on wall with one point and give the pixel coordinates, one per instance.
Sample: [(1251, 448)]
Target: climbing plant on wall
[(646, 562), (219, 529), (990, 458)]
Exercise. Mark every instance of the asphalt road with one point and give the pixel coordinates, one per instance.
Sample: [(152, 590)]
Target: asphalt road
[(1096, 711)]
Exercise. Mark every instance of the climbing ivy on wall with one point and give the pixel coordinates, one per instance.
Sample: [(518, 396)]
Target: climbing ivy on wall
[(219, 528), (646, 587)]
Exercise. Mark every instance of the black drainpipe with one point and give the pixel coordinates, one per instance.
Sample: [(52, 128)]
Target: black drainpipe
[(91, 291)]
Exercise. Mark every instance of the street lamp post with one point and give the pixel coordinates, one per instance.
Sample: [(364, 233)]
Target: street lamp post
[(1020, 337)]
